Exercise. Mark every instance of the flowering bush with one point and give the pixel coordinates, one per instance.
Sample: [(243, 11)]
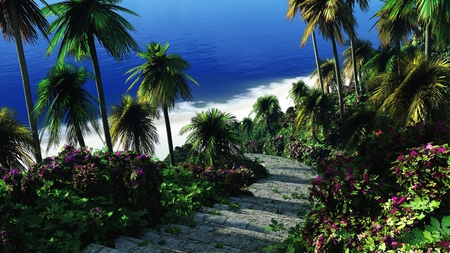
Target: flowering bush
[(274, 146), (233, 180), (370, 201), (307, 154), (67, 201)]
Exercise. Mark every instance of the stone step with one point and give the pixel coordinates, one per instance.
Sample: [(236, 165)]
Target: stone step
[(210, 238), (97, 248), (130, 245), (283, 207), (250, 219)]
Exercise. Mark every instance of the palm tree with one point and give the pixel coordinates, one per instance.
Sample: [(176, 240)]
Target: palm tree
[(363, 52), (435, 15), (364, 6), (298, 91), (16, 142), (312, 114), (162, 80), (332, 17), (418, 93), (78, 24), (63, 100), (267, 110), (246, 126), (18, 21), (396, 21), (293, 9), (328, 75), (132, 125), (212, 136)]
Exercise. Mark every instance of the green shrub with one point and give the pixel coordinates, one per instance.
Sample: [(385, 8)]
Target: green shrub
[(78, 197)]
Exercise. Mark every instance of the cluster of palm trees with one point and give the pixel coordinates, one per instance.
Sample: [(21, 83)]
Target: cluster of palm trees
[(403, 84), (77, 27)]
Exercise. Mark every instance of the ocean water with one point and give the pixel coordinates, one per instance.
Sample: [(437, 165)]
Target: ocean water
[(235, 48)]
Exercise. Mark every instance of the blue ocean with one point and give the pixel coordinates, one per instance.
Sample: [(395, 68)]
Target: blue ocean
[(233, 47)]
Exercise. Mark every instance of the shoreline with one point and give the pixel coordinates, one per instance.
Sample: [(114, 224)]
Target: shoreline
[(178, 119)]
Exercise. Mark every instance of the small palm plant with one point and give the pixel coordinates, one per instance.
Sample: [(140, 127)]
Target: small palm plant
[(212, 136), (267, 111), (132, 126), (16, 142), (62, 100)]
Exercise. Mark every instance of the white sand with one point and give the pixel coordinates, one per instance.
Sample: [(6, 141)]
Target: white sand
[(178, 120)]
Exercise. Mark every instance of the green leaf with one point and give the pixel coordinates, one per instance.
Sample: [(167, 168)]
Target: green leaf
[(435, 223), (110, 213), (446, 225), (427, 235)]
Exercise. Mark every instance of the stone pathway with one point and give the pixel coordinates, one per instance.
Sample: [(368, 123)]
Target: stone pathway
[(234, 227)]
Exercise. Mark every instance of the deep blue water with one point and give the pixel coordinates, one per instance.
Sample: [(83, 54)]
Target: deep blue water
[(232, 46)]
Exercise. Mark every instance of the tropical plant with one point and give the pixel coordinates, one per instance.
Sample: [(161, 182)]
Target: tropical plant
[(132, 125), (162, 80), (363, 52), (295, 6), (16, 142), (418, 93), (246, 126), (298, 91), (78, 24), (19, 20), (328, 75), (313, 113), (267, 110), (212, 136), (332, 17), (62, 100)]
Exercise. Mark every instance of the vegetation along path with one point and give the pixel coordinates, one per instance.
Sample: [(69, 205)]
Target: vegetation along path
[(237, 226)]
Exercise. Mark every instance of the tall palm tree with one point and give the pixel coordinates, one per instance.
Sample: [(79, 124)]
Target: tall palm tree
[(132, 125), (364, 6), (19, 20), (63, 100), (332, 17), (436, 16), (267, 110), (396, 21), (78, 24), (162, 80), (16, 142), (418, 93), (212, 136), (293, 9)]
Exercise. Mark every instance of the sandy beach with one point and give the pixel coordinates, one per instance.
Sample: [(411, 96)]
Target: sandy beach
[(178, 120)]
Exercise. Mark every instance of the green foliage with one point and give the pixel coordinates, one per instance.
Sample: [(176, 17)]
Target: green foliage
[(435, 235), (388, 196), (76, 198), (183, 193)]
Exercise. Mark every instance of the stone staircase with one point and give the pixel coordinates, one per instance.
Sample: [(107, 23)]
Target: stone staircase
[(236, 226)]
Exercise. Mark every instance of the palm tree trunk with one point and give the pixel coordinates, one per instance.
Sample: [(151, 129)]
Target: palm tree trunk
[(398, 53), (25, 79), (169, 136), (316, 55), (136, 141), (338, 75), (428, 40), (100, 93), (80, 137), (355, 71)]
